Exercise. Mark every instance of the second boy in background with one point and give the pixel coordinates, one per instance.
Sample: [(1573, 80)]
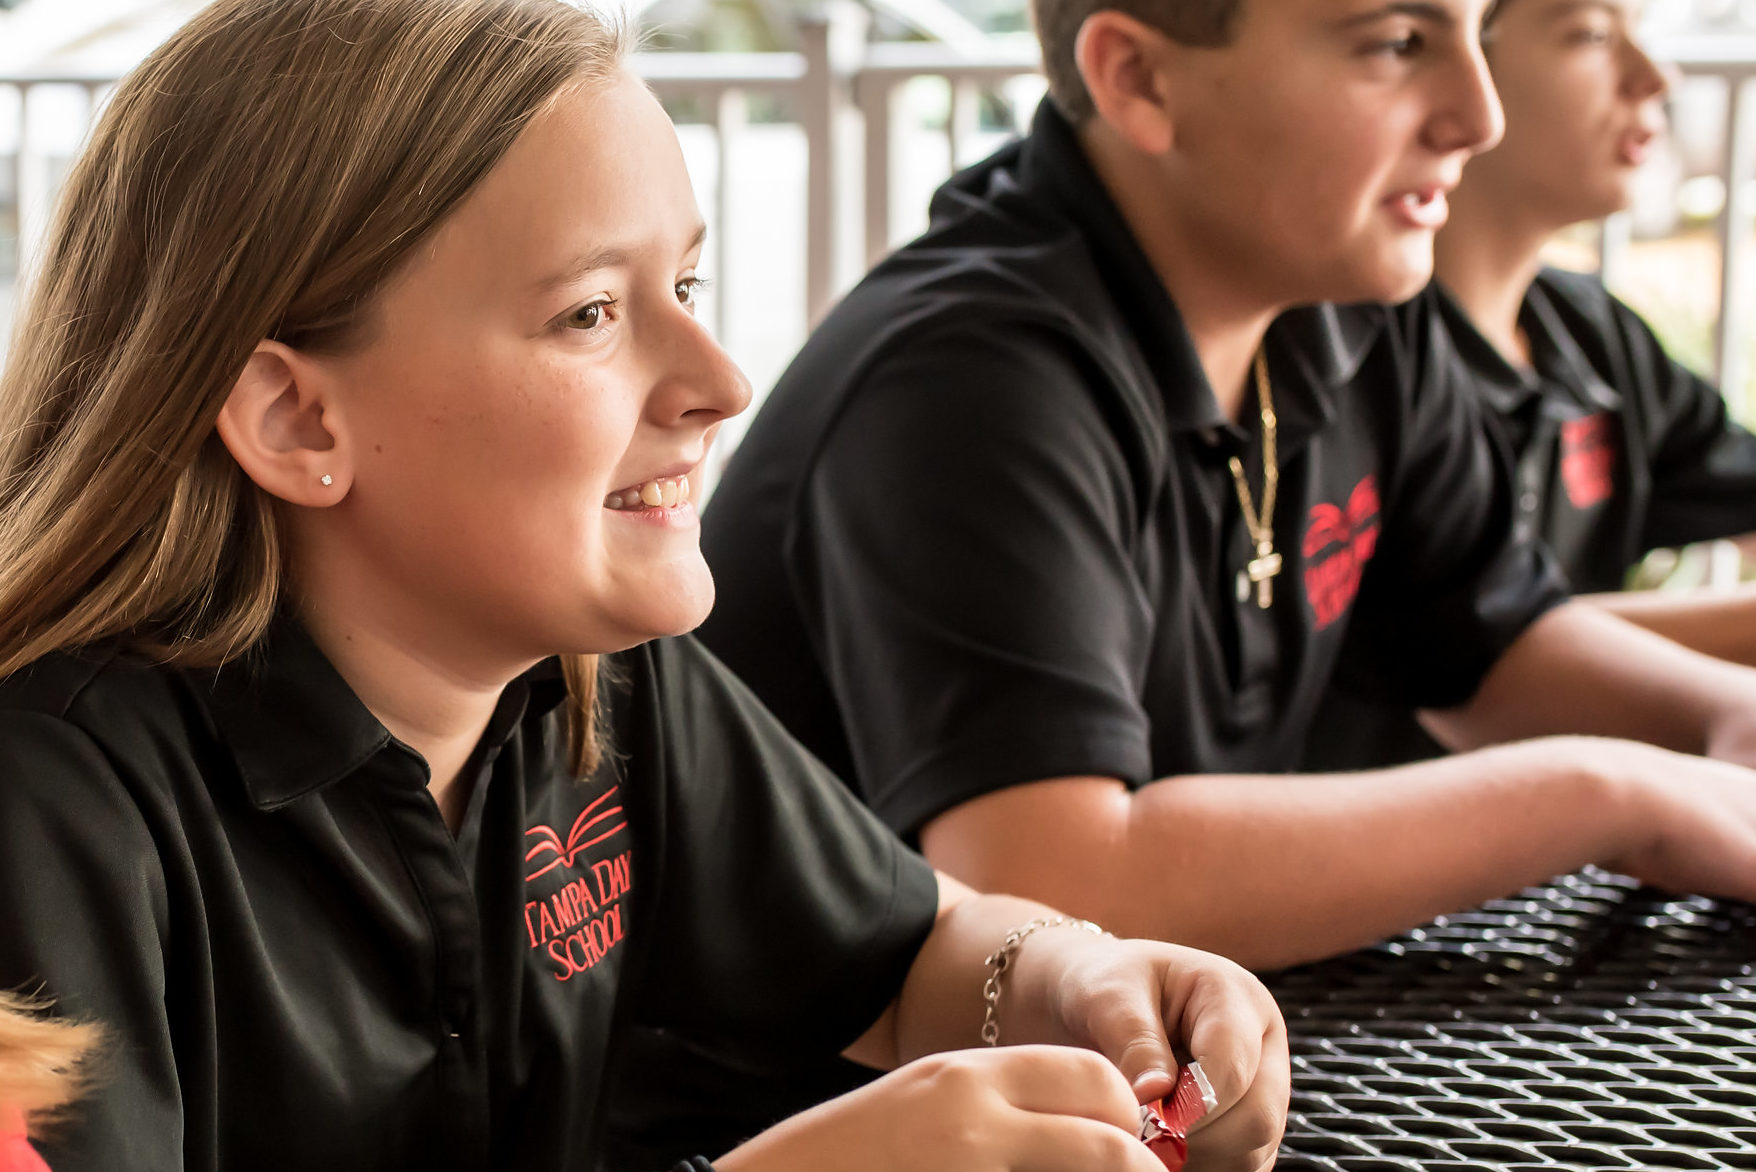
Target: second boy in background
[(1618, 448)]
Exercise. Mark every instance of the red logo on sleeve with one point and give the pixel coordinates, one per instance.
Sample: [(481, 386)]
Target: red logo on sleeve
[(581, 920), (1339, 541), (1588, 459)]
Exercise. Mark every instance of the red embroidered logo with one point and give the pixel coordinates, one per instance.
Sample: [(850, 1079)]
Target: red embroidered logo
[(550, 843), (1339, 541), (579, 923), (1588, 460)]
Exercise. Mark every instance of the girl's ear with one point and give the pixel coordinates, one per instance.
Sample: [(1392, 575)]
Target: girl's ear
[(1125, 65), (284, 427)]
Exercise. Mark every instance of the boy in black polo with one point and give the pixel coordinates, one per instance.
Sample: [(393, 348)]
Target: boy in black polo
[(1053, 533), (1617, 447)]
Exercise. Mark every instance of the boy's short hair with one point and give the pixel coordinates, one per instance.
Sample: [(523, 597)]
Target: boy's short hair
[(1202, 23)]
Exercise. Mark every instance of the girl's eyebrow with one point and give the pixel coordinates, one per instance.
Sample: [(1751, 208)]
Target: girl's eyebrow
[(580, 267), (608, 257)]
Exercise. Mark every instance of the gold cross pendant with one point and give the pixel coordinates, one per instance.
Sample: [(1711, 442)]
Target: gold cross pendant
[(1262, 570)]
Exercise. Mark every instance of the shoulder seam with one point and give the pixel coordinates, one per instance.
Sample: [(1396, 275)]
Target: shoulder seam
[(87, 673)]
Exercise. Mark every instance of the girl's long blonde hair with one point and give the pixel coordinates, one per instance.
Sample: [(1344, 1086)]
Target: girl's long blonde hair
[(44, 1061), (260, 176)]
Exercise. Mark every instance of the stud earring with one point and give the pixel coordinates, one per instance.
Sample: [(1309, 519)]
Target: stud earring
[(326, 479)]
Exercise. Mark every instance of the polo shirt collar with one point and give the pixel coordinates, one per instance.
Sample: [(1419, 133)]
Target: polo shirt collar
[(294, 726), (1506, 387), (1313, 352), (1556, 360), (1319, 350)]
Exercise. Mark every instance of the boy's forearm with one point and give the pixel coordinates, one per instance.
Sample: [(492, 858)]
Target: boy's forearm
[(1284, 870), (1717, 623), (1272, 870), (1582, 670)]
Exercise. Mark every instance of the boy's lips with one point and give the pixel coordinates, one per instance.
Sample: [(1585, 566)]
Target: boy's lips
[(1633, 146), (1421, 207)]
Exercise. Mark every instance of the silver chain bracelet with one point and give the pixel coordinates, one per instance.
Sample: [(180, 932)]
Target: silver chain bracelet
[(1002, 960)]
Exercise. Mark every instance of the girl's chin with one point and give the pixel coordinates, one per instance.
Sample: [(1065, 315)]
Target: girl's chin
[(633, 630), (639, 600), (677, 612)]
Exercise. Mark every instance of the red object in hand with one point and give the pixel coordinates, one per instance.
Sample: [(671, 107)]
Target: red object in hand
[(1164, 1125)]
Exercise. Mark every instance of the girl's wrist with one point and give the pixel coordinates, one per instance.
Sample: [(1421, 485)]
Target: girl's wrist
[(1007, 997)]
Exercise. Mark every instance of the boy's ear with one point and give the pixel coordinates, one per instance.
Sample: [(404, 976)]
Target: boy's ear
[(282, 425), (1126, 68)]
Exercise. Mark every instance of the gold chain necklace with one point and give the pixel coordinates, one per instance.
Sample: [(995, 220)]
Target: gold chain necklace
[(1266, 564)]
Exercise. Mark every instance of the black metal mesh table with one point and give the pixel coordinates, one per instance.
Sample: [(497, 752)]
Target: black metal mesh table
[(1588, 1024)]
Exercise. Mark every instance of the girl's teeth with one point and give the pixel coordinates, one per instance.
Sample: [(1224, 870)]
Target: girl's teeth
[(663, 493)]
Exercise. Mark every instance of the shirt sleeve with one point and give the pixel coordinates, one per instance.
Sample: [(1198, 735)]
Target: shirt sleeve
[(963, 560), (1450, 586), (83, 924), (1703, 463), (788, 915)]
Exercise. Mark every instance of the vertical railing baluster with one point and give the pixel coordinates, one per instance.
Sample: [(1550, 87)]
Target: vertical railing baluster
[(1734, 230), (816, 114), (877, 96), (965, 119), (23, 198), (731, 114)]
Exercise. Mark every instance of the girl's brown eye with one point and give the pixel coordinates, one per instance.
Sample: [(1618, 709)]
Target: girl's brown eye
[(587, 317)]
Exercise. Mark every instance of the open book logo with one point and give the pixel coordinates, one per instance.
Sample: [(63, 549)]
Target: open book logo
[(591, 827)]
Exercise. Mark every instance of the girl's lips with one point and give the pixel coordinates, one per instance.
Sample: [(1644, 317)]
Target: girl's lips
[(665, 501), (678, 516)]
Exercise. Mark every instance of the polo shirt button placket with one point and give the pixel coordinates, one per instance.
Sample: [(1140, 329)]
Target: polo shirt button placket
[(456, 1016), (1530, 497)]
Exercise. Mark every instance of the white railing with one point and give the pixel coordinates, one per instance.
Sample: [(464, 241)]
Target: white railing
[(32, 183), (814, 84), (808, 82), (838, 90), (887, 68)]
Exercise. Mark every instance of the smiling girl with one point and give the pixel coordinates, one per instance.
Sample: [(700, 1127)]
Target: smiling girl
[(347, 455)]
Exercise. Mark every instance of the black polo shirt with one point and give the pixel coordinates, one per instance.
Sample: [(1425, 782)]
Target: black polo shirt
[(1619, 450), (244, 876), (983, 532)]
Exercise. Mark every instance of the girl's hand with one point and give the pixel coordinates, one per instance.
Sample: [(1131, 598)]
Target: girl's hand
[(1010, 1109), (1139, 1002)]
